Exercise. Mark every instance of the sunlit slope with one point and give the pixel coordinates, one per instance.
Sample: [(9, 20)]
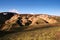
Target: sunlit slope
[(10, 20), (29, 27)]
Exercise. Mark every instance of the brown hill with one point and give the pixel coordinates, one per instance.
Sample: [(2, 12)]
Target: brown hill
[(14, 26), (10, 20)]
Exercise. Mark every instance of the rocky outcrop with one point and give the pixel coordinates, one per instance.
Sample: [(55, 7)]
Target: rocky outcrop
[(48, 19), (8, 23)]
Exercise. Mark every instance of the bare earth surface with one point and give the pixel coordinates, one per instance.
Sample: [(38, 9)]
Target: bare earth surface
[(49, 33)]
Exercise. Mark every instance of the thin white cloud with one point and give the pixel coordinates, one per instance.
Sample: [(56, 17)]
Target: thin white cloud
[(31, 13), (14, 10)]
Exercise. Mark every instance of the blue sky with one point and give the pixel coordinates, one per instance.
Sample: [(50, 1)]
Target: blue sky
[(51, 7)]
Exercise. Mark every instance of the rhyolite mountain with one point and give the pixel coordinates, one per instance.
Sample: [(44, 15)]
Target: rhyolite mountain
[(11, 21)]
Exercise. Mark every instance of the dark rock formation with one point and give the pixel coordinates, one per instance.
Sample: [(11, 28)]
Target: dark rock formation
[(5, 16)]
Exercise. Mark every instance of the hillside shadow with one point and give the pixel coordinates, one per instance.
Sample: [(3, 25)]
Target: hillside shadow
[(3, 33)]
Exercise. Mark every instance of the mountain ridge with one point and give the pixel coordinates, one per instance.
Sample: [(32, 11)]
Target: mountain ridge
[(9, 19)]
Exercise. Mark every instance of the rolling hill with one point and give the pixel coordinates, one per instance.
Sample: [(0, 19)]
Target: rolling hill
[(14, 26)]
